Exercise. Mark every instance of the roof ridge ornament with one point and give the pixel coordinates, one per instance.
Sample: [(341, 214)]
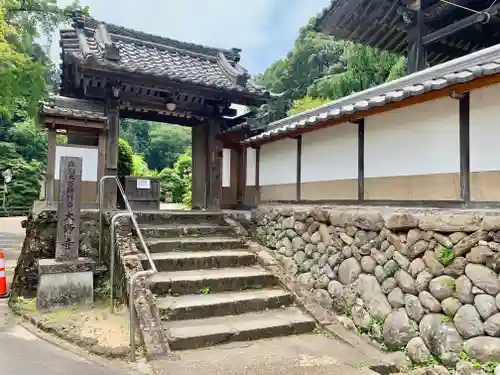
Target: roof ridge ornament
[(110, 50), (232, 69), (78, 19), (79, 26)]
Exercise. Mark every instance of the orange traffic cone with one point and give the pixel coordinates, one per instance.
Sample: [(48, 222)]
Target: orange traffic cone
[(3, 278)]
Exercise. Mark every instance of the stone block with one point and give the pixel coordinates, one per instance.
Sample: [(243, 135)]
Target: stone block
[(65, 284)]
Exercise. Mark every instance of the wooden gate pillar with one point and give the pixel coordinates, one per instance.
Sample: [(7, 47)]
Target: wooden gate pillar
[(111, 153), (199, 166)]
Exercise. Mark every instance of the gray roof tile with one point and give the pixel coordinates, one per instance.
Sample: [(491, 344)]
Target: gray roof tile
[(71, 107), (154, 55), (464, 69)]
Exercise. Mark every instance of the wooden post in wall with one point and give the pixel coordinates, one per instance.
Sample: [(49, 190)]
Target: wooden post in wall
[(361, 160), (464, 121), (51, 165), (242, 177), (298, 180), (257, 174), (214, 175)]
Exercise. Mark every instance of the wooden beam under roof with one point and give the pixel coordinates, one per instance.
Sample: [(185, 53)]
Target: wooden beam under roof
[(460, 25)]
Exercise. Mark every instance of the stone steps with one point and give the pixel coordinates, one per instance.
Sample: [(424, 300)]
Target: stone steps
[(197, 306), (209, 289), (180, 217), (211, 281), (184, 230), (192, 260), (197, 333), (161, 245)]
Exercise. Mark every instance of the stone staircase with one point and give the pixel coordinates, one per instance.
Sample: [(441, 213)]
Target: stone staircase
[(209, 288)]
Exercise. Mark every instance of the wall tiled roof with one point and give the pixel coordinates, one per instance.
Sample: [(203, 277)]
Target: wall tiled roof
[(70, 107), (467, 68)]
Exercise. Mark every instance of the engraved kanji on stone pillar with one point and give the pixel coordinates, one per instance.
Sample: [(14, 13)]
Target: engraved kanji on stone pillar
[(68, 209)]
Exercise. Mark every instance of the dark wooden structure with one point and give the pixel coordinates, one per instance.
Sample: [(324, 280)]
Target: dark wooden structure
[(142, 76), (429, 32), (143, 193)]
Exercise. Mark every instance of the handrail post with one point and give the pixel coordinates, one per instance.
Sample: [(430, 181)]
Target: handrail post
[(131, 309), (112, 256), (101, 219), (133, 278)]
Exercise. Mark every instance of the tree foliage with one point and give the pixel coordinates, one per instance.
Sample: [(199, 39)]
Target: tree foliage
[(178, 180), (26, 76), (320, 69), (125, 159)]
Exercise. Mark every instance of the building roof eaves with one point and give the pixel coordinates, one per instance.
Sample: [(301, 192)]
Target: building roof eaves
[(460, 70), (248, 91), (71, 107)]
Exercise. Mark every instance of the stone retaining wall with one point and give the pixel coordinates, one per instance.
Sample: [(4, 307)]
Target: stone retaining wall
[(427, 284), (39, 243)]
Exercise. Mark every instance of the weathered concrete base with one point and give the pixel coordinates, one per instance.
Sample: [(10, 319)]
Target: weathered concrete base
[(65, 284)]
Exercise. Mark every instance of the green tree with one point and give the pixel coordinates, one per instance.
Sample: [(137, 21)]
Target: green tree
[(167, 142), (320, 69), (305, 103), (140, 167), (22, 61), (365, 67), (178, 180), (25, 185), (26, 75), (136, 133), (125, 158)]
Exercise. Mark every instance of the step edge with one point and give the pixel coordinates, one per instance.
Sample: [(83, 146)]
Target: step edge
[(218, 271), (197, 254), (151, 241), (170, 331), (160, 301), (181, 226)]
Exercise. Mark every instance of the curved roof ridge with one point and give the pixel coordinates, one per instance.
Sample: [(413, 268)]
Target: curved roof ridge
[(147, 37)]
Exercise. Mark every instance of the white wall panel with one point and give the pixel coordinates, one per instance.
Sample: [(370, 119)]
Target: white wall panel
[(278, 163), (251, 165), (485, 129), (416, 140), (226, 167), (89, 155), (330, 154)]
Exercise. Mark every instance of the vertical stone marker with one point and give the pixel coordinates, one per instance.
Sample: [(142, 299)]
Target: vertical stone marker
[(68, 209), (67, 280)]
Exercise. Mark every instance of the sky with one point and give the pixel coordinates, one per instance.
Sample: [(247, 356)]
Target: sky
[(264, 29)]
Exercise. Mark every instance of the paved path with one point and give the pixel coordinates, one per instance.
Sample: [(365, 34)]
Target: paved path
[(23, 353), (11, 237), (309, 354)]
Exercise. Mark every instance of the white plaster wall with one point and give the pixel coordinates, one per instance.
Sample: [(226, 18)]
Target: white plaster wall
[(485, 129), (330, 154), (278, 163), (416, 140), (251, 165), (226, 167), (89, 155)]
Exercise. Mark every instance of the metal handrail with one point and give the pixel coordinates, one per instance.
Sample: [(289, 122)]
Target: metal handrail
[(134, 277)]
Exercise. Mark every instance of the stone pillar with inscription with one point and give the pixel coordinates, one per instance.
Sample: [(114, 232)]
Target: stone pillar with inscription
[(67, 280)]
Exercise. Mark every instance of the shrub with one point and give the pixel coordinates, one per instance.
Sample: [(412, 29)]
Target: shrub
[(125, 159)]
